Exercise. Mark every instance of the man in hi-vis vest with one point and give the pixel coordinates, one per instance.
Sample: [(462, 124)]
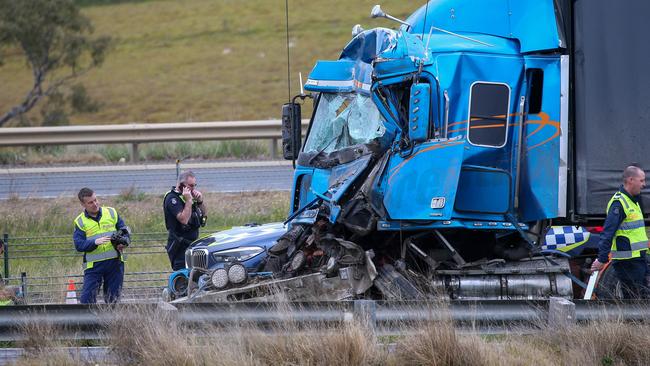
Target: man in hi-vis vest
[(624, 236), (103, 259)]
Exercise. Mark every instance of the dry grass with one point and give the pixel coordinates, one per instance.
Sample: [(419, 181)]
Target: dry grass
[(143, 336), (160, 340), (601, 343), (143, 213), (439, 344), (44, 346)]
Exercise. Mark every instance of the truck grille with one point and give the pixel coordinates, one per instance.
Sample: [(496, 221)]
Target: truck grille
[(200, 258)]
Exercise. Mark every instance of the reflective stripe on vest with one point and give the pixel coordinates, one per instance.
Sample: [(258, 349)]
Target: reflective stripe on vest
[(632, 228), (94, 237), (632, 225), (96, 257), (625, 254), (94, 230)]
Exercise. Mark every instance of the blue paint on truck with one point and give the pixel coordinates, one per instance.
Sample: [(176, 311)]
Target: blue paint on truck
[(441, 150)]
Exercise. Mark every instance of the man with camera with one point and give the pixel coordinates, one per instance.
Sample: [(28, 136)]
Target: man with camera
[(184, 213), (100, 233)]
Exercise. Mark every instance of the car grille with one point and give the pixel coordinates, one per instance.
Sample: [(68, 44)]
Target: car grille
[(200, 259), (188, 258)]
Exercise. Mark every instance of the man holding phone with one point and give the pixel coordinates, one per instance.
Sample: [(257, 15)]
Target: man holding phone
[(184, 213)]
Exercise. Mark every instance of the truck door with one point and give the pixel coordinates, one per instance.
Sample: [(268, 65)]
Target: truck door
[(543, 176)]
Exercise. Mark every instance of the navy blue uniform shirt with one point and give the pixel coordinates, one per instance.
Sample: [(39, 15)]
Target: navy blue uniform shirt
[(173, 205)]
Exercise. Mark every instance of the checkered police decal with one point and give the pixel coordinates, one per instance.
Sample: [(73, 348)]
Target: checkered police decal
[(561, 236)]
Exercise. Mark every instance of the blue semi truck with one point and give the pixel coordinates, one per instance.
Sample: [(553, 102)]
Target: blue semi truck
[(466, 154)]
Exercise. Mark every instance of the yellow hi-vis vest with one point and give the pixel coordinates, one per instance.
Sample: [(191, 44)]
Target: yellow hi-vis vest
[(94, 230), (632, 227)]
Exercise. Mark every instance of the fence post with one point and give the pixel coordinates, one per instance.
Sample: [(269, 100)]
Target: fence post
[(134, 155), (23, 285), (178, 169), (561, 312), (365, 313), (6, 241), (274, 149)]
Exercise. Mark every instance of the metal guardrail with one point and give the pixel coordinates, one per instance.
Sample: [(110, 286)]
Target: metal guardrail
[(137, 133), (140, 133), (380, 318), (82, 355)]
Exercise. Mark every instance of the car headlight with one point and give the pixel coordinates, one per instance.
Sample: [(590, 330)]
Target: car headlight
[(219, 278), (240, 254), (237, 273)]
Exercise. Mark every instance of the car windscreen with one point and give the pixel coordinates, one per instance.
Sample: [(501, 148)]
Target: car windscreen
[(342, 120)]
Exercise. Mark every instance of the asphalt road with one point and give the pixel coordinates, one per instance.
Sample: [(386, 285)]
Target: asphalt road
[(113, 180)]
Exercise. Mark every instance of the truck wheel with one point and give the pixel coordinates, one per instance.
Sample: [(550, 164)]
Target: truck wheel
[(608, 287)]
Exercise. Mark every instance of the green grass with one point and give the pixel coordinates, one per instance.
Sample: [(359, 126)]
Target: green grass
[(206, 150), (240, 149), (48, 223), (204, 60)]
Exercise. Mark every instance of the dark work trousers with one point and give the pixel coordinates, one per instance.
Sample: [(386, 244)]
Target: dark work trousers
[(176, 251), (631, 273), (109, 272)]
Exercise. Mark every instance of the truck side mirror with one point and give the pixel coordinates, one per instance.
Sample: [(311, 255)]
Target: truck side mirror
[(291, 130), (419, 106)]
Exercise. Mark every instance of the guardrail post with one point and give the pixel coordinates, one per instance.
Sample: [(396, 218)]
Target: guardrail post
[(561, 312), (5, 238), (23, 285), (274, 149), (133, 153), (365, 313)]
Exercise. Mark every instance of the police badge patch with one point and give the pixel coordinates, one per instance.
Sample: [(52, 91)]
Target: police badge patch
[(174, 201)]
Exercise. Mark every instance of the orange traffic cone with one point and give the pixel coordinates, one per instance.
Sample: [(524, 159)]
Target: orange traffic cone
[(71, 295)]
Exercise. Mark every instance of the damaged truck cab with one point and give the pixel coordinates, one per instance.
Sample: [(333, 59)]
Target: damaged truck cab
[(435, 158)]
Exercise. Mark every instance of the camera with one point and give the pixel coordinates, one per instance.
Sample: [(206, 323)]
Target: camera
[(121, 236)]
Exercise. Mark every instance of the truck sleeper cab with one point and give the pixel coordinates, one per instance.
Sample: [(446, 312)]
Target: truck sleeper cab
[(435, 159)]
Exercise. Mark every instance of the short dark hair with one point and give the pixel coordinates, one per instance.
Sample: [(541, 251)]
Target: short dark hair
[(631, 171), (84, 192)]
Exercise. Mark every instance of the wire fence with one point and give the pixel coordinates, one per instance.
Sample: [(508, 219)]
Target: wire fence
[(139, 286)]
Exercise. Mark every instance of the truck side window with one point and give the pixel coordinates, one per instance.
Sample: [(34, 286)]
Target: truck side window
[(535, 87), (488, 114)]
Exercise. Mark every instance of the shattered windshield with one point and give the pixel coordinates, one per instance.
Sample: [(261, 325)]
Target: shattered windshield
[(343, 120)]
